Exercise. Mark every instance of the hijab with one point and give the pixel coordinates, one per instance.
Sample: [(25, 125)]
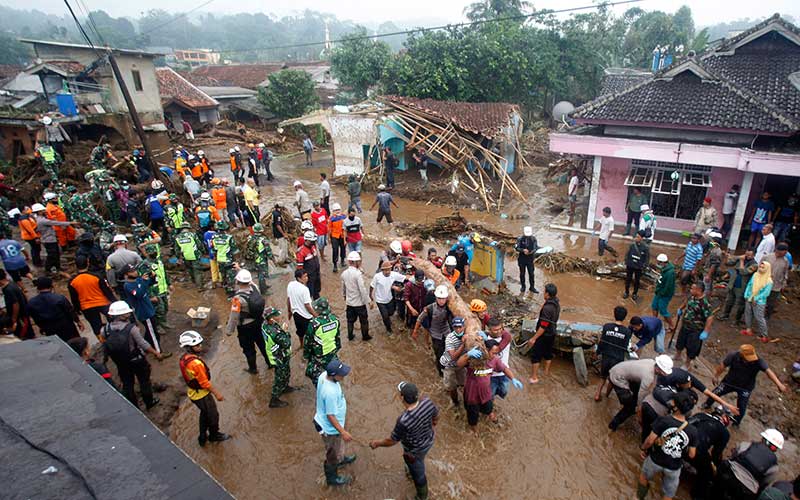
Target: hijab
[(761, 278)]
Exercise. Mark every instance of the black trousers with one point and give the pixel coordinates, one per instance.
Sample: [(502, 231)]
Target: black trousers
[(338, 247), (634, 275), (250, 338), (628, 399), (301, 326), (209, 416), (314, 284), (53, 258), (137, 370), (36, 252), (438, 350), (357, 313), (633, 217), (386, 311), (325, 203), (267, 171), (701, 487), (649, 416), (95, 315), (525, 266)]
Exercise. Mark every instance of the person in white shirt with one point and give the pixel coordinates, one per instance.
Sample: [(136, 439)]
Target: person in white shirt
[(301, 199), (606, 227), (572, 192), (767, 244), (729, 209), (324, 192), (648, 223), (298, 301), (380, 292)]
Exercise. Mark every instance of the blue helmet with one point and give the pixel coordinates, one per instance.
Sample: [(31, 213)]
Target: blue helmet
[(136, 152)]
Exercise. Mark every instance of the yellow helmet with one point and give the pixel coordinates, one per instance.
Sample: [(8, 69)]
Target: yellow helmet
[(476, 237)]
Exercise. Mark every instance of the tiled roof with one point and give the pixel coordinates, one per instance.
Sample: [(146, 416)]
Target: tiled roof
[(173, 87), (68, 67), (248, 76), (9, 70), (741, 85), (614, 82), (484, 118)]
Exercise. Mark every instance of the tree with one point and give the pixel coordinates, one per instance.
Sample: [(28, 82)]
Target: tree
[(490, 9), (14, 52), (290, 93), (358, 61), (658, 29)]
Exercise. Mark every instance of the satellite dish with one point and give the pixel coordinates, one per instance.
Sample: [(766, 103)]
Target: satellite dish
[(562, 109)]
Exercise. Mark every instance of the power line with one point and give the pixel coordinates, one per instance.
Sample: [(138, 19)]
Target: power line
[(91, 21), (80, 27), (435, 28), (184, 14)]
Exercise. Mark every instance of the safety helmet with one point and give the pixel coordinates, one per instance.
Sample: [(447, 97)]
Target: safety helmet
[(119, 308), (136, 152), (321, 305), (271, 312), (236, 148), (244, 276), (664, 363), (120, 238), (156, 184), (335, 206), (185, 225), (476, 237), (222, 225), (527, 231), (773, 437), (37, 207), (396, 246), (173, 197), (231, 151), (450, 260), (381, 187), (354, 256), (429, 285), (297, 183), (47, 120), (477, 306), (150, 248), (192, 157), (306, 225), (310, 236), (458, 321), (257, 227), (215, 180), (406, 245), (49, 196), (205, 196), (251, 145), (200, 152), (261, 145), (190, 338), (441, 292)]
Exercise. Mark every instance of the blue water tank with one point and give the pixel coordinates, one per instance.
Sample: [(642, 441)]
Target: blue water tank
[(66, 104)]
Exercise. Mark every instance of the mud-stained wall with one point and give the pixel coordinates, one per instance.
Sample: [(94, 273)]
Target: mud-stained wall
[(350, 134)]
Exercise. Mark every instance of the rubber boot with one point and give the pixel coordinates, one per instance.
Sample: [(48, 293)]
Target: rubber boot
[(422, 492), (347, 459), (275, 402), (641, 491), (251, 365), (333, 478), (219, 437)]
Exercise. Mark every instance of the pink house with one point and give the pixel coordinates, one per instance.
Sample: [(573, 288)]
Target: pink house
[(728, 116)]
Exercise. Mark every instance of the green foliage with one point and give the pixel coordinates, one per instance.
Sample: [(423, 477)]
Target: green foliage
[(358, 62), (290, 94), (491, 9), (14, 52), (657, 28)]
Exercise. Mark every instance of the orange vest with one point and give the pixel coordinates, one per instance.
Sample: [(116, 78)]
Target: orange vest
[(63, 234), (218, 195), (204, 166), (28, 230), (234, 166), (89, 293), (197, 170), (336, 229)]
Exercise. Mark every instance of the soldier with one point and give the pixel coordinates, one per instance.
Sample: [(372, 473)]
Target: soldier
[(5, 220), (188, 248), (173, 215), (143, 236), (153, 266), (258, 254), (224, 248), (100, 156), (322, 341), (50, 160), (279, 351), (81, 208)]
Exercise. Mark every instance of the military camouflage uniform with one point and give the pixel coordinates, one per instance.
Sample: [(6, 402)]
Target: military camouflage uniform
[(225, 249), (142, 233), (188, 246), (279, 351), (173, 218), (50, 160), (258, 253), (81, 208), (98, 156), (5, 220), (321, 344)]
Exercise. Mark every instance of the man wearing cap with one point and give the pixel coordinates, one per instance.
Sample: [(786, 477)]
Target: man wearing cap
[(384, 201), (356, 297), (706, 217), (696, 327), (52, 312), (307, 259), (118, 261), (224, 251), (414, 297), (159, 290), (189, 251), (278, 345), (137, 294), (301, 200), (665, 289), (526, 251), (322, 341), (247, 316), (380, 292), (743, 367), (258, 253), (329, 421), (415, 430), (298, 301), (628, 377)]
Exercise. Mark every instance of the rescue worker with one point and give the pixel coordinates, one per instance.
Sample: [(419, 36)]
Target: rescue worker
[(258, 253), (751, 468), (180, 164), (278, 343), (205, 168), (100, 155), (174, 215), (253, 162), (526, 248), (159, 290), (712, 438), (450, 272), (196, 168), (236, 164), (143, 236), (53, 211), (49, 238), (90, 295), (197, 376), (322, 341), (308, 260), (154, 209), (224, 249), (118, 261), (189, 250), (356, 297), (247, 316), (50, 160), (220, 199), (205, 214), (696, 325), (336, 236), (30, 234)]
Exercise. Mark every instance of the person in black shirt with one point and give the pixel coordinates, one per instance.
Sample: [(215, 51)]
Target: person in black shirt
[(462, 264), (415, 429), (526, 248), (91, 251), (681, 379), (81, 346), (612, 348), (743, 367), (541, 344), (636, 261), (712, 438), (53, 313), (16, 307), (279, 233), (670, 437)]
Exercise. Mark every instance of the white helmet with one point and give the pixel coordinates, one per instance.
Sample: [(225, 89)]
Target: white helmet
[(190, 338), (49, 196), (354, 256), (310, 236), (244, 276), (450, 260), (664, 363), (37, 207), (381, 187), (200, 152), (773, 437), (297, 183), (156, 184), (119, 308), (527, 231), (205, 196), (47, 120), (192, 157), (236, 148), (441, 292), (231, 150), (120, 238), (336, 206), (396, 247), (306, 225), (261, 145)]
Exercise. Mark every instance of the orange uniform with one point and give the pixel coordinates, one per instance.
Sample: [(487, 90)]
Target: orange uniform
[(218, 195), (28, 229), (63, 234)]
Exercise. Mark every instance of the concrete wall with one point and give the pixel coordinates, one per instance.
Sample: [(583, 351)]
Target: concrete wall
[(210, 115), (350, 134)]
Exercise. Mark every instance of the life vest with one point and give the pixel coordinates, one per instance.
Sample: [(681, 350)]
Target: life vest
[(175, 215), (203, 217), (28, 229), (234, 164), (161, 277), (758, 459), (325, 333), (273, 348), (204, 168), (218, 195), (156, 210), (222, 247), (197, 170), (188, 245), (190, 380), (180, 164), (260, 247)]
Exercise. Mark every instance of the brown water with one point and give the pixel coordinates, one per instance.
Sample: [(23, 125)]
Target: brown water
[(551, 440)]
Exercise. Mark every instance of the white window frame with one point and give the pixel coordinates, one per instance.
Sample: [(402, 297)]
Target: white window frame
[(637, 171), (650, 172), (699, 179), (661, 176)]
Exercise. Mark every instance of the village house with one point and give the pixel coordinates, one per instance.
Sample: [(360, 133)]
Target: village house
[(182, 100), (728, 116)]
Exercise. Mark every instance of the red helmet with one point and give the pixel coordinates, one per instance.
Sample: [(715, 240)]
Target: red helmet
[(406, 246)]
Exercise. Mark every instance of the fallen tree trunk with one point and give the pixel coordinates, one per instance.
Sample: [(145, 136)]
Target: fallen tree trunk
[(455, 303)]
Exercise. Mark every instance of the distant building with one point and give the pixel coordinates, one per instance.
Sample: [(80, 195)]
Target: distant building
[(182, 100), (197, 57)]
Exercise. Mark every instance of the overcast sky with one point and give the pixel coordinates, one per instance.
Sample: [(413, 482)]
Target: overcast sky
[(436, 11)]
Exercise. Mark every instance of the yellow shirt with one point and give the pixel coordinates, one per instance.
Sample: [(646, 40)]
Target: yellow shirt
[(251, 196)]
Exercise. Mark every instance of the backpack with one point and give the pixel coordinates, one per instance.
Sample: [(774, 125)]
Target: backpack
[(204, 218), (255, 304), (118, 344)]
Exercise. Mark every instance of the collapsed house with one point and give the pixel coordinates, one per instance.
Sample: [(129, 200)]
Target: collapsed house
[(183, 101)]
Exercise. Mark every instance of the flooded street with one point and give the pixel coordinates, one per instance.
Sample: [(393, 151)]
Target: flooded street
[(552, 439)]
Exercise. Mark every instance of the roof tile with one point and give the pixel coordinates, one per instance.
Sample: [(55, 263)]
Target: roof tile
[(173, 86), (484, 118)]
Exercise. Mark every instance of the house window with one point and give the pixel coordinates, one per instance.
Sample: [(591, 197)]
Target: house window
[(137, 80), (675, 190)]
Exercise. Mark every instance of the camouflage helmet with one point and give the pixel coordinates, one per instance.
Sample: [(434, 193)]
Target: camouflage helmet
[(271, 312), (257, 227), (139, 228), (143, 268), (151, 248), (72, 189), (222, 225), (185, 225), (173, 197), (321, 305)]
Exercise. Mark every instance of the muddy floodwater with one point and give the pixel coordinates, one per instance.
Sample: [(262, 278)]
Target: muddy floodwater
[(551, 440)]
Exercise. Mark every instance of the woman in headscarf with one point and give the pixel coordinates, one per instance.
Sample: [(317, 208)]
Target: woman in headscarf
[(758, 289)]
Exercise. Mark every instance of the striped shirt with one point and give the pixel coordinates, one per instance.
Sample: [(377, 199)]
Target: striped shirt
[(451, 343), (414, 428), (692, 255)]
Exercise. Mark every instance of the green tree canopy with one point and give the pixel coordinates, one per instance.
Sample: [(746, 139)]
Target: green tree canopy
[(358, 62), (290, 93)]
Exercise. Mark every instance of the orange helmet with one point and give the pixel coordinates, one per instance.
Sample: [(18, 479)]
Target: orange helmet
[(215, 180), (477, 305)]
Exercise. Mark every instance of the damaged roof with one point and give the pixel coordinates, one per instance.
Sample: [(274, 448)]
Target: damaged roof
[(743, 85), (483, 118), (62, 67), (249, 76), (174, 88)]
